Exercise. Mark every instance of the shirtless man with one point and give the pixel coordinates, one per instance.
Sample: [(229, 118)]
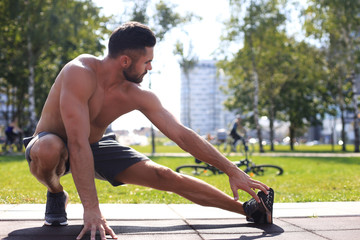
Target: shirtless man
[(88, 94)]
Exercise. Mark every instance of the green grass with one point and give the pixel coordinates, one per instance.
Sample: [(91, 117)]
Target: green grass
[(306, 179), (322, 148), (159, 149)]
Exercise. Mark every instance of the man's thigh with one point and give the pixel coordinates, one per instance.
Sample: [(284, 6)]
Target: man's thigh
[(149, 174)]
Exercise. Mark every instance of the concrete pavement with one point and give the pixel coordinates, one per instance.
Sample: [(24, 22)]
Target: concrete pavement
[(326, 220)]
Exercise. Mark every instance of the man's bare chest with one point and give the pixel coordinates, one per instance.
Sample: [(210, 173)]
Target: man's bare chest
[(105, 108)]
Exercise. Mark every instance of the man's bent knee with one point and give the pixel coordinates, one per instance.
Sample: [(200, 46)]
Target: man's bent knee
[(48, 153)]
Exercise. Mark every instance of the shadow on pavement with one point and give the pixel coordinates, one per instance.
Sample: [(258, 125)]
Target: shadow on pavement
[(245, 231), (45, 232), (71, 231)]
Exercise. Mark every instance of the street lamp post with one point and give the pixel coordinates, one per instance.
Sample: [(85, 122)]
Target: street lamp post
[(152, 127)]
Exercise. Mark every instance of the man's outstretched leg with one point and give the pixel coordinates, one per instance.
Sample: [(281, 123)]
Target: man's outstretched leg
[(47, 156), (150, 174)]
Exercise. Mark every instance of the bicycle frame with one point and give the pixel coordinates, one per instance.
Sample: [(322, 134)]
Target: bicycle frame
[(250, 167)]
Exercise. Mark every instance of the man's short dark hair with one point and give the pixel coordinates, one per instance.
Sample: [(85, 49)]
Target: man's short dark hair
[(130, 36)]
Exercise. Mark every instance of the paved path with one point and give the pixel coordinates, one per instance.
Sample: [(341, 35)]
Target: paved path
[(304, 221)]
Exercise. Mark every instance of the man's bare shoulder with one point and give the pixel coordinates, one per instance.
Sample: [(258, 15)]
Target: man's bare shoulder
[(139, 92), (83, 63), (143, 97), (81, 69)]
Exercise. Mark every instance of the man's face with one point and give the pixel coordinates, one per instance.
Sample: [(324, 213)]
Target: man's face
[(137, 70)]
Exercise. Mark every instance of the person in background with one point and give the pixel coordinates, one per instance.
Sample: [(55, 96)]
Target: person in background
[(12, 133), (237, 132)]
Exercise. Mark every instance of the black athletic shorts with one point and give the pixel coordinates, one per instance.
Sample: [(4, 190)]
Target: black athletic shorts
[(110, 158)]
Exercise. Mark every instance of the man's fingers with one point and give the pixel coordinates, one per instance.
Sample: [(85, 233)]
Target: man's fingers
[(103, 230), (83, 231), (93, 232), (110, 231), (258, 185), (253, 194), (235, 193)]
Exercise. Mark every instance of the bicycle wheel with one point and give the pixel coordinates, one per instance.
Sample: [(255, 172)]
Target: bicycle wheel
[(267, 170), (195, 170), (243, 165)]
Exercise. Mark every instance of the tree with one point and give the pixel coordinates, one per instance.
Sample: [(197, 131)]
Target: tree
[(13, 68), (272, 74), (336, 23), (48, 34), (303, 92), (187, 63), (163, 19), (261, 22)]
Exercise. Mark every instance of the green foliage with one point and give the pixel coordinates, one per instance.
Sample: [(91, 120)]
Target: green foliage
[(138, 12), (336, 24), (186, 61), (166, 19), (301, 94), (38, 38), (163, 19), (293, 77), (259, 24)]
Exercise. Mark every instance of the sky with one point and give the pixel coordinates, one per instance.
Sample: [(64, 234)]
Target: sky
[(165, 76)]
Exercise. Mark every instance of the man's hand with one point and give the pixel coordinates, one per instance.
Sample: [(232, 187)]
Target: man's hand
[(94, 220), (240, 180)]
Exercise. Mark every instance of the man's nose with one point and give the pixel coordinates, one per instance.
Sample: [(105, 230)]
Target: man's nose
[(149, 67)]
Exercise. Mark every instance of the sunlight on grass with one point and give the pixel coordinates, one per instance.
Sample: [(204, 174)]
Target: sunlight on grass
[(305, 179)]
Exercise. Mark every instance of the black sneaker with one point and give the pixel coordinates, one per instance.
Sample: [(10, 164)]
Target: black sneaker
[(260, 212), (55, 214), (267, 202)]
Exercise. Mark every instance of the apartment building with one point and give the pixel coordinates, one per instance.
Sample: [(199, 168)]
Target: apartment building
[(202, 100)]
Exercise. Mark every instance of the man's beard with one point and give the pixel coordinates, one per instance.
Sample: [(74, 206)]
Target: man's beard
[(137, 79)]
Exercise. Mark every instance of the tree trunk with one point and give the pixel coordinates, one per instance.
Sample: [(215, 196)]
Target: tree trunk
[(31, 92), (342, 113), (343, 133), (332, 139), (256, 94), (292, 137), (272, 131), (356, 112), (256, 110)]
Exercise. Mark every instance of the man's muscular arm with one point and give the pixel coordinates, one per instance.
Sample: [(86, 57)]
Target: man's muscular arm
[(78, 85), (191, 142), (76, 90)]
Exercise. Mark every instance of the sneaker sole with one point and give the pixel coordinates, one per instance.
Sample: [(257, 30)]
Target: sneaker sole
[(268, 213), (269, 217), (55, 223)]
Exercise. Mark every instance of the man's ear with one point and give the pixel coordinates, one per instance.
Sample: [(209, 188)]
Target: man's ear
[(125, 61)]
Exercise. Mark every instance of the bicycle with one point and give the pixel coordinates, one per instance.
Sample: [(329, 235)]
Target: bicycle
[(246, 165)]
